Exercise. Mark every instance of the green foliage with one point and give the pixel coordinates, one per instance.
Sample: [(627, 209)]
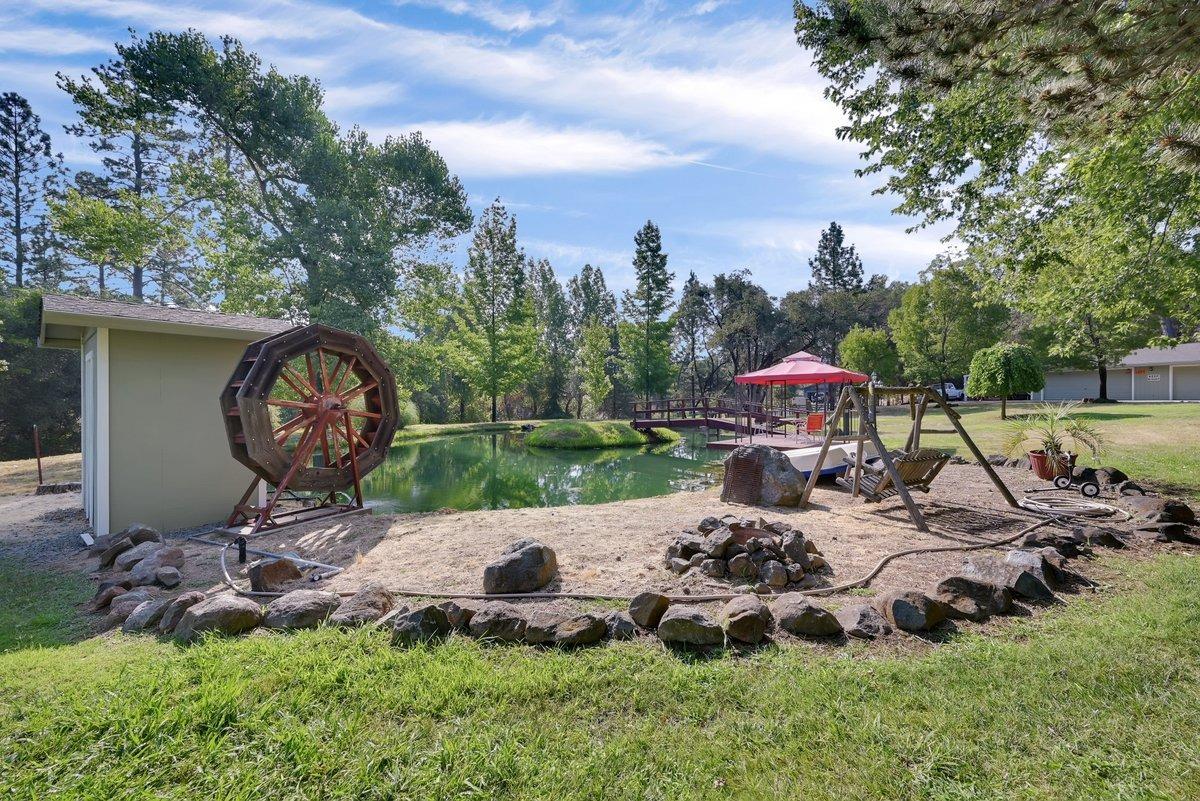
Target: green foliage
[(594, 356), (495, 335), (835, 266), (1004, 369), (40, 387), (29, 171), (693, 332), (1055, 430), (939, 324), (870, 351), (552, 318), (578, 434), (645, 336), (409, 416)]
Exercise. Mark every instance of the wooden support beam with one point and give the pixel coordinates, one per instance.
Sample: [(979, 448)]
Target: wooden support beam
[(843, 399), (914, 511), (954, 418)]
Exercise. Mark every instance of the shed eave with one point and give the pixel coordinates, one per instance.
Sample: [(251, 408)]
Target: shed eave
[(57, 324)]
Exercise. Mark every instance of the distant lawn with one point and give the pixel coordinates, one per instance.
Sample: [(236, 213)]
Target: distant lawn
[(575, 434), (19, 477), (1155, 442), (427, 430), (1097, 700)]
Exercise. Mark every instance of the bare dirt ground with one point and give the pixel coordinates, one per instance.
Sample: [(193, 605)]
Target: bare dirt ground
[(614, 548)]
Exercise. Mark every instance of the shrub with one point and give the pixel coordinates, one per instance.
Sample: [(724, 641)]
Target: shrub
[(408, 414)]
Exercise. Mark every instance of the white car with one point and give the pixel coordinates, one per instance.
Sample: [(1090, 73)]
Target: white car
[(949, 392)]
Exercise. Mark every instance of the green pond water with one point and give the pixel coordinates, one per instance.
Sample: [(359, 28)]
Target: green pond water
[(499, 471)]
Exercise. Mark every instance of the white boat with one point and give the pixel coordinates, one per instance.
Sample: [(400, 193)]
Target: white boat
[(805, 459)]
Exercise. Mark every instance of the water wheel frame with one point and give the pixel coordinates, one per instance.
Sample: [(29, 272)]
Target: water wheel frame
[(312, 409)]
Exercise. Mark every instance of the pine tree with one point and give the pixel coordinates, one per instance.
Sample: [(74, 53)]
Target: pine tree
[(693, 327), (647, 363), (553, 323), (496, 338), (594, 355), (28, 172), (835, 266), (591, 303)]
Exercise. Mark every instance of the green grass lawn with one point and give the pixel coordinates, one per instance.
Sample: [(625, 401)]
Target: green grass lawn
[(595, 434), (1156, 442), (1099, 700)]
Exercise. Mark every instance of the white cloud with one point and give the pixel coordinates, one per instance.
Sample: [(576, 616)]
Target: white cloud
[(522, 147), (707, 7), (45, 40), (507, 18), (567, 258), (348, 97)]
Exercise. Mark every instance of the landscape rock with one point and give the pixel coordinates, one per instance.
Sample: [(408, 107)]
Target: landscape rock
[(911, 610), (1050, 569), (498, 620), (817, 562), (105, 596), (697, 560), (647, 608), (619, 625), (795, 547), (689, 625), (1103, 537), (797, 615), (971, 598), (1023, 583), (743, 567), (781, 483), (300, 609), (524, 566), (709, 524), (420, 624), (565, 631), (795, 573), (140, 532), (145, 615), (127, 559), (144, 572), (678, 566), (167, 577), (1110, 476), (272, 575), (118, 547), (688, 543), (746, 618), (1160, 510), (459, 612), (221, 614), (862, 621), (367, 605), (714, 568), (1130, 488), (763, 588), (773, 573), (123, 605), (717, 542), (175, 609)]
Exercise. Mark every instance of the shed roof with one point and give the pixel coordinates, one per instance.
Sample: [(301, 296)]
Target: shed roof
[(1187, 353), (66, 317)]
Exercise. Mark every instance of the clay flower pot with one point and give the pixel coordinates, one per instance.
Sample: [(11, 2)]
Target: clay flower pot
[(1047, 469)]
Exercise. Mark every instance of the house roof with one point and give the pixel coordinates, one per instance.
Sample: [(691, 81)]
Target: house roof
[(64, 318), (1187, 353)]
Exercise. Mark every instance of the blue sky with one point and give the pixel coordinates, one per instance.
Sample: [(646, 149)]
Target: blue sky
[(586, 119)]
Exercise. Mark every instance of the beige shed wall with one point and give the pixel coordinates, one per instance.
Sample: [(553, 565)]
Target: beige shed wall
[(169, 462)]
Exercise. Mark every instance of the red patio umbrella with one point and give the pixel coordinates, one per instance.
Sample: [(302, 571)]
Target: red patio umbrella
[(801, 372), (801, 356)]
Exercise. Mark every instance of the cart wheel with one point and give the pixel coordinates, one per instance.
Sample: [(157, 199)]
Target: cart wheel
[(1062, 482), (1090, 490)]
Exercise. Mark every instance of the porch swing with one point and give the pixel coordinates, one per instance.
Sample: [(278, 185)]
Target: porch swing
[(896, 472)]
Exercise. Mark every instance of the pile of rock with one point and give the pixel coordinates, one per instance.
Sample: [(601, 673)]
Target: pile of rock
[(141, 558), (766, 557)]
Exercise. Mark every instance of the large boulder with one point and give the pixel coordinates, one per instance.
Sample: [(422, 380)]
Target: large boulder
[(564, 629), (116, 547), (746, 618), (139, 533), (367, 605), (418, 625), (1045, 563), (795, 548), (497, 620), (862, 621), (459, 612), (123, 605), (300, 609), (800, 616), (717, 541), (773, 573), (524, 566), (781, 483), (174, 611), (971, 598), (146, 570), (911, 610), (146, 615), (1160, 510), (647, 608), (106, 596), (272, 575), (619, 625), (689, 625), (127, 559), (1022, 582), (221, 614), (168, 577)]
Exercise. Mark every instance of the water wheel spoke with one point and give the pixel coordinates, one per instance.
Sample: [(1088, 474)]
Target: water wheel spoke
[(287, 428), (364, 413), (335, 381), (296, 381), (290, 404), (361, 389), (312, 373), (358, 436), (349, 369), (325, 385)]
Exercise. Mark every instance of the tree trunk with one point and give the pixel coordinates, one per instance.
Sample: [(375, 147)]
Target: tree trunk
[(138, 187), (1003, 407), (1102, 368), (493, 408)]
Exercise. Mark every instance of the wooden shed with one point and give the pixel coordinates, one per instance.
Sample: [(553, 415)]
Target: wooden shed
[(153, 440)]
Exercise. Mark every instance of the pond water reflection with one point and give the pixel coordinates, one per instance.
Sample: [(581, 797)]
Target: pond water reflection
[(498, 471)]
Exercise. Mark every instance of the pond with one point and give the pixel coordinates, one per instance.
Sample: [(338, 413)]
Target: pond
[(499, 471)]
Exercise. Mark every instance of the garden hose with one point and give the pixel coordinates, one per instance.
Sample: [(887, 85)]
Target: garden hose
[(1071, 507)]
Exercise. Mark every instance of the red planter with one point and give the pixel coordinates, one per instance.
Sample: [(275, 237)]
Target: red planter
[(1046, 470)]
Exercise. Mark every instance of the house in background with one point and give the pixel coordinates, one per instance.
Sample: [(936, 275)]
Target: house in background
[(153, 440), (1147, 374)]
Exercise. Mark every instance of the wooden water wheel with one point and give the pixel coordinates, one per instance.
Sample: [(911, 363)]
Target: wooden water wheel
[(311, 409)]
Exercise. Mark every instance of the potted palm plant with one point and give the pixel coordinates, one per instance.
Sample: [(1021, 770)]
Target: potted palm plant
[(1052, 437)]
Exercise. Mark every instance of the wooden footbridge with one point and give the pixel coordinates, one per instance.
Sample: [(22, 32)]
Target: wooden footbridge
[(749, 422)]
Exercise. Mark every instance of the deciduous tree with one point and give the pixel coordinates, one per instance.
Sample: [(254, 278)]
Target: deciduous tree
[(1004, 369), (870, 351)]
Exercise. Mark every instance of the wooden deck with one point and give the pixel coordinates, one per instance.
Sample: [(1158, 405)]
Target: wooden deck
[(779, 442)]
